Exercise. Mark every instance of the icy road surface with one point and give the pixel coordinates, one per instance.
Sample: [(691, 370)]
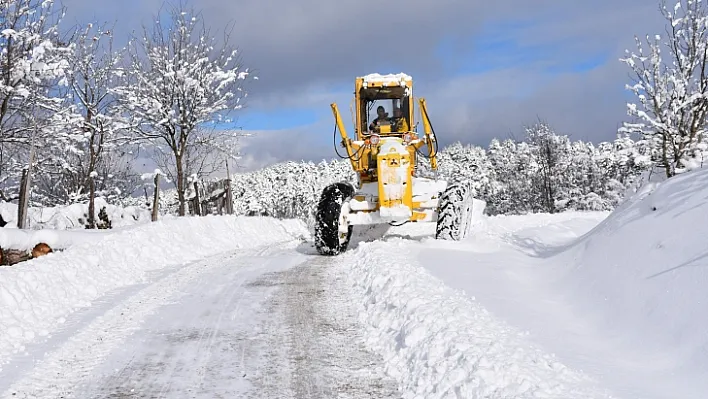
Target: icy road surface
[(259, 323)]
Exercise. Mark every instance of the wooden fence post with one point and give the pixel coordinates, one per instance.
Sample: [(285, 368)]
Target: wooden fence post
[(197, 202), (228, 200), (23, 201), (156, 198)]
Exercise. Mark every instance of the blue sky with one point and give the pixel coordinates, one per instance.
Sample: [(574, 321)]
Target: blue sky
[(487, 69)]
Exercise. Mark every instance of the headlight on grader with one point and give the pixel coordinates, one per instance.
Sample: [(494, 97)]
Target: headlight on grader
[(375, 139)]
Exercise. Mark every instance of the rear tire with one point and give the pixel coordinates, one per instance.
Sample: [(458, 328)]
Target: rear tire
[(328, 219), (455, 214)]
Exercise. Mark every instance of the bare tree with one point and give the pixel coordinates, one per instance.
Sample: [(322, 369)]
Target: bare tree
[(670, 80), (115, 179), (183, 82), (205, 154)]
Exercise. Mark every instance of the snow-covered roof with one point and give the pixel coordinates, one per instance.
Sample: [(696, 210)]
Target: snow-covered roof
[(398, 79)]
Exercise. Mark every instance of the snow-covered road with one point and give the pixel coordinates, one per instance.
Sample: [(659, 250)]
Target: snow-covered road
[(572, 305), (254, 323)]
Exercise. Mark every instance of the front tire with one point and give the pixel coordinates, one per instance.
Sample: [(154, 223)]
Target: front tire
[(455, 214), (328, 219)]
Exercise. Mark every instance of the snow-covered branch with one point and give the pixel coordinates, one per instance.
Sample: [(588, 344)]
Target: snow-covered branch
[(90, 145), (182, 83), (670, 81), (33, 63)]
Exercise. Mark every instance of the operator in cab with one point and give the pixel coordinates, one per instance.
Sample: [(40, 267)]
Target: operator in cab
[(399, 121), (381, 116)]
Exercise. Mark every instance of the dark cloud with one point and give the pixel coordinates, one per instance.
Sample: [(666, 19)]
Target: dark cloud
[(296, 45), (308, 52), (127, 15), (586, 105)]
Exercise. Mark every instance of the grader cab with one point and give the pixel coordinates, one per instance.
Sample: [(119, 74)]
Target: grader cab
[(384, 155)]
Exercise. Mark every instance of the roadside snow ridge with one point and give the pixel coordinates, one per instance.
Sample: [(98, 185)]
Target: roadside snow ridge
[(439, 344)]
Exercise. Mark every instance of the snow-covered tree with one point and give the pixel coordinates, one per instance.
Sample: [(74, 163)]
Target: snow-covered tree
[(92, 127), (551, 155), (182, 84), (502, 157), (514, 170), (288, 189), (670, 80), (33, 60)]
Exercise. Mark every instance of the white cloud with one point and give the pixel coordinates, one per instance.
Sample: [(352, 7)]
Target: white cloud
[(309, 143)]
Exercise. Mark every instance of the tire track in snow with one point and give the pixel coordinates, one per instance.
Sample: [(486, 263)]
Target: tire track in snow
[(318, 352), (72, 364)]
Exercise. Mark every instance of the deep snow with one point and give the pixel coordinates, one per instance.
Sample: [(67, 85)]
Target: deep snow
[(619, 297), (591, 305), (38, 295), (74, 216), (641, 276), (270, 321), (440, 343), (64, 226), (56, 239)]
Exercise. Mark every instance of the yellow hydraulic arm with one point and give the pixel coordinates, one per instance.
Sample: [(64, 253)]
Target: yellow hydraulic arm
[(429, 137), (346, 141)]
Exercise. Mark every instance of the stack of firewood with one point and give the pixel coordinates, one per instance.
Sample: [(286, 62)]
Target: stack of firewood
[(10, 257)]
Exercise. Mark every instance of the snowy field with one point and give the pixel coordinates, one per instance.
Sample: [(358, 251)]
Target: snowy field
[(572, 305)]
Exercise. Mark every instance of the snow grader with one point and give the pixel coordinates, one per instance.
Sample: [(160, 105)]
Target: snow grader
[(388, 190)]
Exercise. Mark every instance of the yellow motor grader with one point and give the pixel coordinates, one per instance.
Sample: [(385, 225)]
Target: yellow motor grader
[(383, 154)]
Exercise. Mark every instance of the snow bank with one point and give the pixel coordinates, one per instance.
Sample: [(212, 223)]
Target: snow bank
[(440, 344), (37, 297), (63, 226), (74, 216), (56, 239), (642, 274)]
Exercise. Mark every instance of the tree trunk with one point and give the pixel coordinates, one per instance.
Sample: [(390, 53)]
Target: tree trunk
[(181, 187), (92, 166), (9, 256), (197, 202), (665, 156), (92, 203), (549, 169), (13, 256)]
